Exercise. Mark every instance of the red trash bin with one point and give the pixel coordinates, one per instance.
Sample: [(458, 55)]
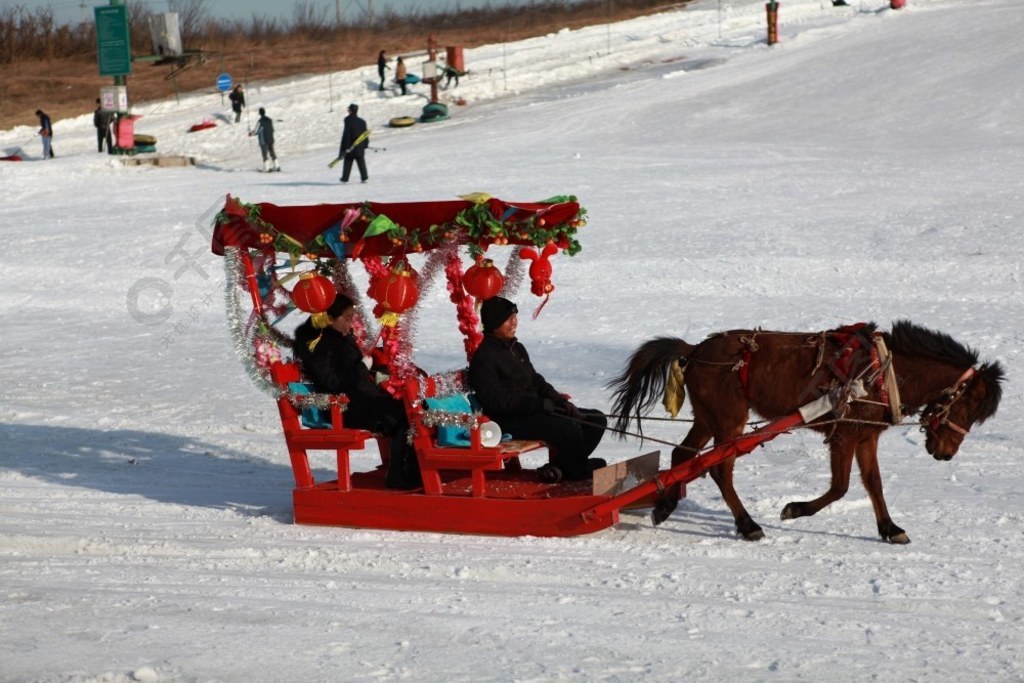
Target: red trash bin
[(124, 132), (455, 58)]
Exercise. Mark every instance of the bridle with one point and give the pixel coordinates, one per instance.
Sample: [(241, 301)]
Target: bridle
[(937, 413)]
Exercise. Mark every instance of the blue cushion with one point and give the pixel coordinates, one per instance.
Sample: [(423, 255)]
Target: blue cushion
[(312, 417), (451, 435)]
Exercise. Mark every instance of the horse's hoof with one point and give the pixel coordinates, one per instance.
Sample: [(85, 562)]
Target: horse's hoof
[(792, 511), (749, 530), (899, 539)]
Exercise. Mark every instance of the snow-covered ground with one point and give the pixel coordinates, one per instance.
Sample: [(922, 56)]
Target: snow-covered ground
[(868, 167)]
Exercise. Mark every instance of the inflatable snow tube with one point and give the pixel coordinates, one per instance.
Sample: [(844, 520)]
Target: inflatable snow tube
[(202, 126), (402, 122), (411, 79), (144, 140), (435, 111), (142, 149)]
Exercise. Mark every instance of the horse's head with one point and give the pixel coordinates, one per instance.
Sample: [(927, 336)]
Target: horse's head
[(948, 418)]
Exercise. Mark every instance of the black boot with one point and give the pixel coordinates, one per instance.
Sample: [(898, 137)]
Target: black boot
[(403, 469)]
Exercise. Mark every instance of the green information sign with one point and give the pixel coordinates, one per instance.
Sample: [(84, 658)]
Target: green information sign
[(112, 44)]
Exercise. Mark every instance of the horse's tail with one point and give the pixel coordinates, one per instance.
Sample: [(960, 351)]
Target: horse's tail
[(643, 382)]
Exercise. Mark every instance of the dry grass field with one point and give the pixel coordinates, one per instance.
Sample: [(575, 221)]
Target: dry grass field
[(66, 87)]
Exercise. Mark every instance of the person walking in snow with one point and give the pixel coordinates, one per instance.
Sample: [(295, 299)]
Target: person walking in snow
[(46, 134), (354, 144), (400, 74), (101, 120), (265, 135), (382, 66), (518, 398), (237, 98)]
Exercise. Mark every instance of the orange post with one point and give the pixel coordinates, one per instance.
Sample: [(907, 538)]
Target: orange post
[(772, 8)]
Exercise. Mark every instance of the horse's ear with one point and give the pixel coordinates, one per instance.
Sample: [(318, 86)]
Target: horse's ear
[(992, 374)]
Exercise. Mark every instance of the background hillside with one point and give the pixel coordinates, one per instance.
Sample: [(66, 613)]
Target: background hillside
[(54, 68)]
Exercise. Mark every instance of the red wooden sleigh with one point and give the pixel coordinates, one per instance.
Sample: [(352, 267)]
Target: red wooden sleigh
[(474, 488)]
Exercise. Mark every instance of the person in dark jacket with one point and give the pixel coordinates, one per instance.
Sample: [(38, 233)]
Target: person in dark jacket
[(265, 135), (237, 98), (350, 149), (331, 358), (517, 397), (382, 66), (45, 133), (101, 120)]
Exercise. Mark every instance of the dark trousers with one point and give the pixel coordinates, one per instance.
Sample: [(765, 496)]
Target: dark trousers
[(386, 416), (268, 151), (346, 167), (570, 441), (103, 135)]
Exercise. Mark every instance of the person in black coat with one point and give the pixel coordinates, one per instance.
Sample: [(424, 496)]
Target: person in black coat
[(265, 135), (382, 66), (351, 150), (331, 358), (517, 397), (101, 120), (237, 98), (46, 133)]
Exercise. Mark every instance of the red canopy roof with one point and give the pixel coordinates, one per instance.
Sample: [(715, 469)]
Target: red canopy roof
[(376, 228)]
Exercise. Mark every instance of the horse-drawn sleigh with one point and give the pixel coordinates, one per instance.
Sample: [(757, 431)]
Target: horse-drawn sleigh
[(291, 257)]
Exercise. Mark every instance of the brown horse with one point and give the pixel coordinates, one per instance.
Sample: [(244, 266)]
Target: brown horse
[(908, 370)]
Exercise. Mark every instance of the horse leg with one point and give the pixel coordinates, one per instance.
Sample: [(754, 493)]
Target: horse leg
[(871, 476), (745, 525), (695, 440), (842, 448)]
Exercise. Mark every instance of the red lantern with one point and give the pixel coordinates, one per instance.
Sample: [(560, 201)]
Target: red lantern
[(314, 293), (482, 280), (396, 292)]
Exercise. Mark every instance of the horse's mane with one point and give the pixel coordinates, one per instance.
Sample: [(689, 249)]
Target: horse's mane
[(908, 338)]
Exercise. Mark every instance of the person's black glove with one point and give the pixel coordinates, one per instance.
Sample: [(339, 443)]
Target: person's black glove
[(571, 410)]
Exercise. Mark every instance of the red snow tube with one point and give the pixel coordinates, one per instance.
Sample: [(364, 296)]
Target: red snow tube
[(202, 126), (13, 157)]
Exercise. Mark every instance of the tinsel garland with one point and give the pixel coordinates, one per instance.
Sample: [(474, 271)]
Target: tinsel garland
[(445, 384), (243, 329), (343, 282), (514, 271)]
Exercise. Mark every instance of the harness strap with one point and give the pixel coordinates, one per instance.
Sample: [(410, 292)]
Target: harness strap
[(888, 390)]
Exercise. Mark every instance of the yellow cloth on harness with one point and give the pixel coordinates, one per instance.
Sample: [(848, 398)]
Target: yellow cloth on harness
[(675, 388)]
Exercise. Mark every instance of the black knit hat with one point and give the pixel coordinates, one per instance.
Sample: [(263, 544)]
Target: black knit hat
[(495, 311)]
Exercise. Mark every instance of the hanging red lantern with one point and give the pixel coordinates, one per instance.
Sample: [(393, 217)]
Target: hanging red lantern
[(314, 293), (396, 292), (482, 280)]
